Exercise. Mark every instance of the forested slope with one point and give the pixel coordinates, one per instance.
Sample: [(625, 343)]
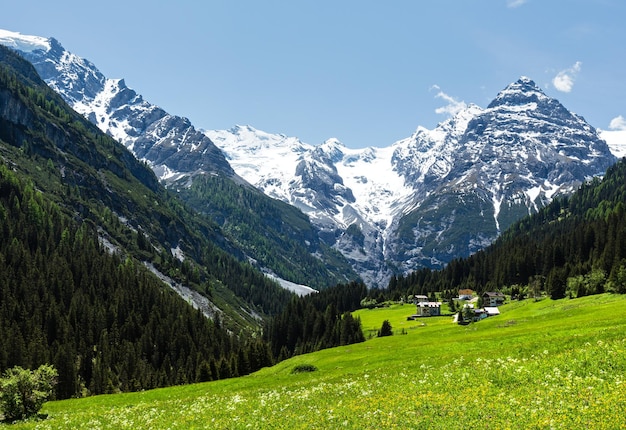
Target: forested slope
[(83, 228), (79, 218), (317, 321), (270, 231), (574, 246), (105, 322), (95, 179)]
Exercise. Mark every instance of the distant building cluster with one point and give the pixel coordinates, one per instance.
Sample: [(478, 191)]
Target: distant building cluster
[(426, 307)]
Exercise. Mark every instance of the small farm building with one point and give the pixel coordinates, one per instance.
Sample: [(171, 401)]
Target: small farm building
[(493, 298)]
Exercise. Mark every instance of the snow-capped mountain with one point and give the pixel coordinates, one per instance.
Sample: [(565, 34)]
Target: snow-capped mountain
[(509, 159), (169, 143), (325, 181), (274, 237), (435, 195), (421, 201), (351, 195)]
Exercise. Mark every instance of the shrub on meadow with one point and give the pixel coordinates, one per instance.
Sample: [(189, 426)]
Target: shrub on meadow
[(23, 392), (301, 368)]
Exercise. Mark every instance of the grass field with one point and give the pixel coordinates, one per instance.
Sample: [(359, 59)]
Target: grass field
[(546, 364)]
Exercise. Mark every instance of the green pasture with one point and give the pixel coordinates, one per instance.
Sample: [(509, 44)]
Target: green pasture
[(538, 365)]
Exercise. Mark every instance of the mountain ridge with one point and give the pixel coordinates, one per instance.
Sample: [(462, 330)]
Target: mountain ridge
[(180, 155), (474, 157), (421, 201), (97, 183)]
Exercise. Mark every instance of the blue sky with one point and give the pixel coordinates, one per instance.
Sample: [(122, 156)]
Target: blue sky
[(365, 72)]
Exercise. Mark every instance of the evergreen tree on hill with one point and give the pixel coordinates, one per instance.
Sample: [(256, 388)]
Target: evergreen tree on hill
[(385, 329)]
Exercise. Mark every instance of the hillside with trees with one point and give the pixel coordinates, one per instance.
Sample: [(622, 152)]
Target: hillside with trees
[(269, 230), (317, 321), (574, 247), (94, 179), (105, 322), (90, 244), (80, 216), (108, 324)]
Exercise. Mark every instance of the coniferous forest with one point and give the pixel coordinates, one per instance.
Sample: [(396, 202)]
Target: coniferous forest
[(106, 323), (317, 321)]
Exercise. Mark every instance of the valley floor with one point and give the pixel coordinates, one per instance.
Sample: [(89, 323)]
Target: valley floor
[(545, 364)]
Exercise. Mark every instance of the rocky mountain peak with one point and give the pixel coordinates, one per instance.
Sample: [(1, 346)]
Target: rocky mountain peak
[(522, 92), (333, 149)]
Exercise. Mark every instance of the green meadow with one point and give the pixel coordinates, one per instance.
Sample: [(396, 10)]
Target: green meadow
[(539, 365)]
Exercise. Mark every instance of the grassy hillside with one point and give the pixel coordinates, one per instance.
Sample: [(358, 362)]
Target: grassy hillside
[(546, 364)]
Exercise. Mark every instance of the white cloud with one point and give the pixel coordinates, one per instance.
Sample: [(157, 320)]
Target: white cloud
[(618, 123), (564, 80), (453, 105), (515, 3)]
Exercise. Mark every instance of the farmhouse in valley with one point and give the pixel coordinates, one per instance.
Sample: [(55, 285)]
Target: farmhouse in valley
[(487, 311), (429, 309), (493, 298), (425, 307), (466, 294), (469, 313)]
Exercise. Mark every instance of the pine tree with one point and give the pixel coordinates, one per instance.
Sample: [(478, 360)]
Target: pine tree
[(385, 329)]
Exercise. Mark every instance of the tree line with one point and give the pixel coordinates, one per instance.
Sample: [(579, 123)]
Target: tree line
[(317, 321)]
